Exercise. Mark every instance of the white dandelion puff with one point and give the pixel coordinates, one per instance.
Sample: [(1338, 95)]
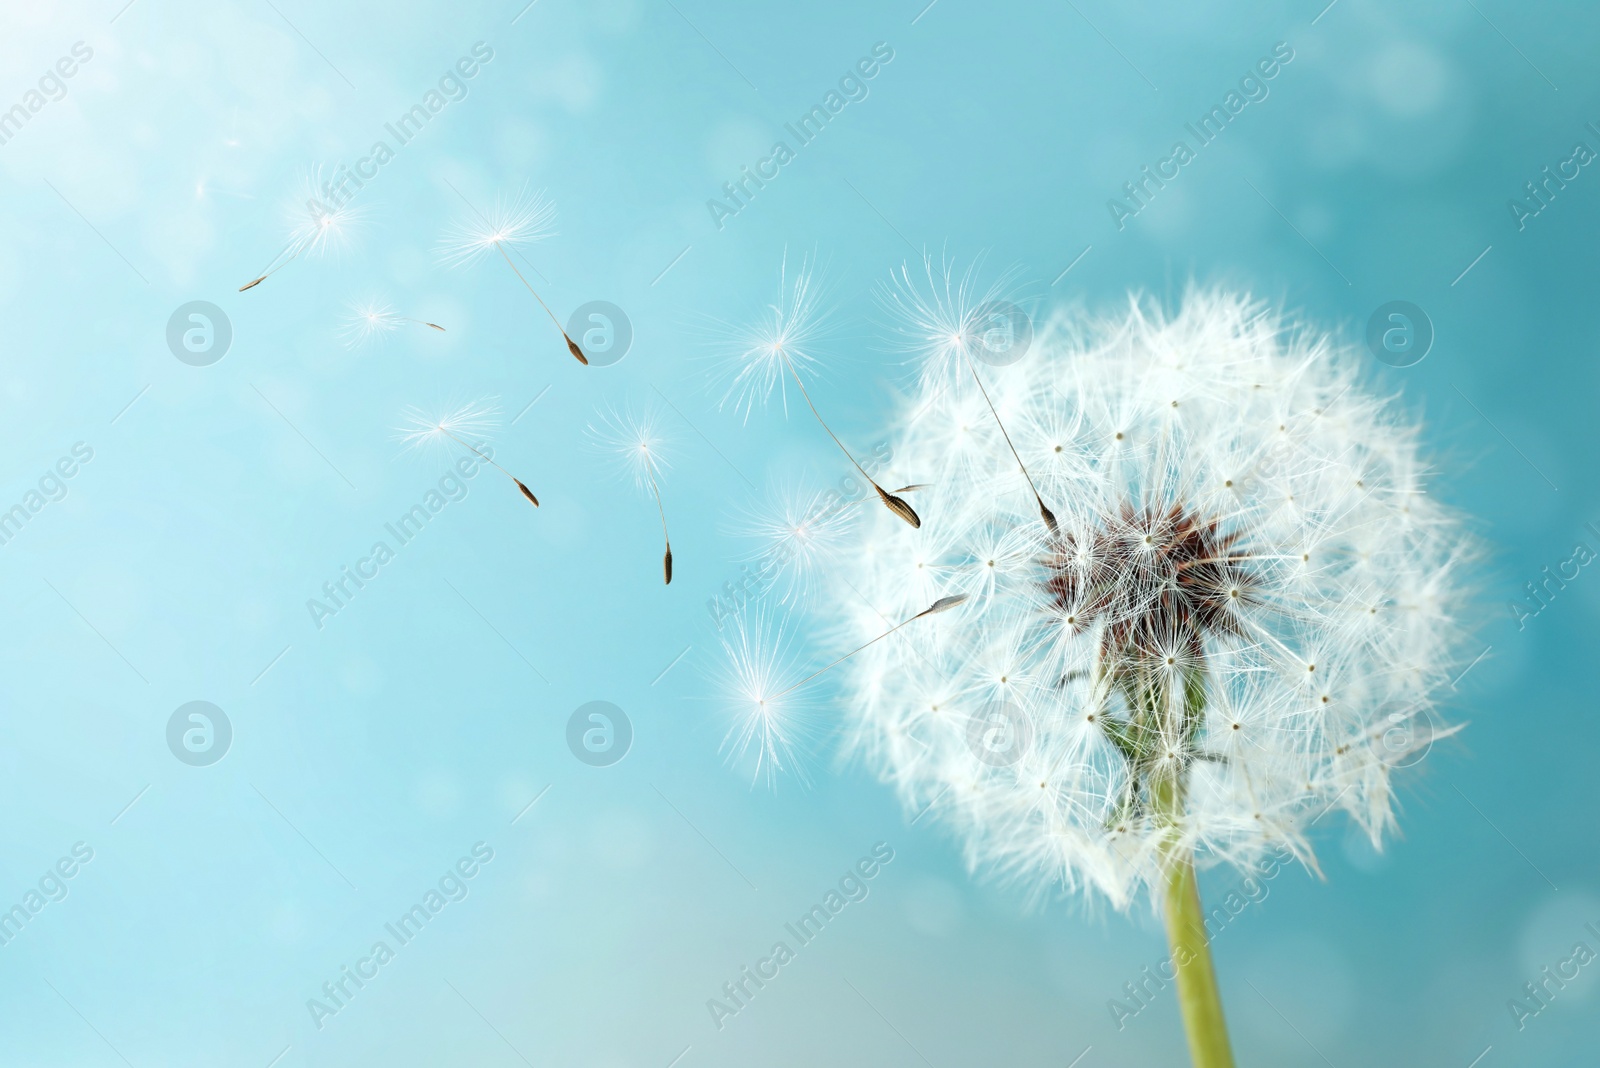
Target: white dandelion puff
[(473, 421), (1242, 617), (780, 345), (511, 222), (772, 718), (943, 319), (1184, 560), (798, 534)]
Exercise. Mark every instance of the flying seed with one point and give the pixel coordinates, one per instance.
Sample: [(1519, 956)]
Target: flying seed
[(942, 604), (572, 347), (899, 507)]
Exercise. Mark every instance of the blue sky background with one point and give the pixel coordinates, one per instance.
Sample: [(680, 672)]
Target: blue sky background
[(369, 755)]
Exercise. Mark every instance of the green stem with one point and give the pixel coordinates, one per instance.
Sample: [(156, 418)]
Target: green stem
[(1151, 719), (1198, 997)]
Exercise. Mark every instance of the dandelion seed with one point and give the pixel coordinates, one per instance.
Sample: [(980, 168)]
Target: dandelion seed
[(371, 318), (322, 220), (943, 604), (765, 352), (510, 224), (770, 721), (946, 327), (634, 440), (798, 534), (459, 426), (781, 346)]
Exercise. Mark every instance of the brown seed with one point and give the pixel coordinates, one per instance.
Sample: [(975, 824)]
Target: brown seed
[(572, 347), (1049, 518), (900, 508), (908, 489), (436, 326), (666, 565), (526, 492), (252, 285)]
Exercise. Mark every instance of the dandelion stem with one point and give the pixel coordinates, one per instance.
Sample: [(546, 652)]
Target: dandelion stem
[(475, 451), (524, 281), (1198, 997)]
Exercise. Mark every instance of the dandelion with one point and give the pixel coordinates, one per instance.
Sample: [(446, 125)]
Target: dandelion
[(1240, 620), (782, 344), (510, 224), (323, 222), (368, 319), (634, 440), (459, 426)]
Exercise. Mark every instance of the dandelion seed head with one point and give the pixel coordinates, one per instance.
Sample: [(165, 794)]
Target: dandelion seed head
[(634, 439), (766, 353), (510, 222), (798, 534), (324, 218), (769, 719), (942, 317), (1248, 582), (367, 319), (472, 422)]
